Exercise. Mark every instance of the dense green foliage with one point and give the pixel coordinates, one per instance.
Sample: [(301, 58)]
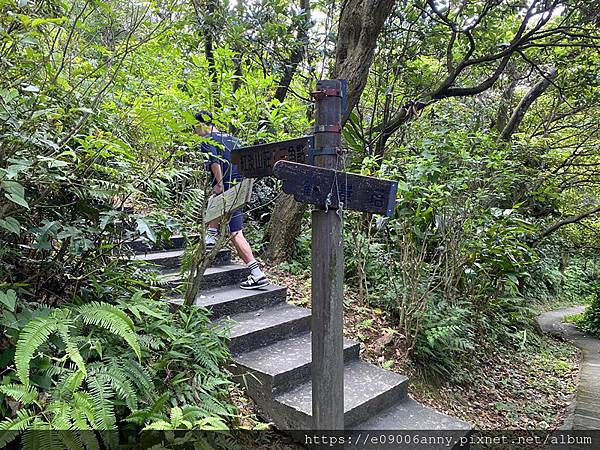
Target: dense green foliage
[(590, 321), (96, 110), (461, 266), (97, 150)]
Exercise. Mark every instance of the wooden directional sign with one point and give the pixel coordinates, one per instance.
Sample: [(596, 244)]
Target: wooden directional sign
[(310, 184), (229, 201), (258, 161)]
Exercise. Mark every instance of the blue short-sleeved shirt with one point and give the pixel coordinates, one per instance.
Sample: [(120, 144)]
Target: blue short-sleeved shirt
[(221, 154)]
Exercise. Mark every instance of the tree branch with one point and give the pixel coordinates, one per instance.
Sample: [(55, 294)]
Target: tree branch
[(531, 96), (571, 219)]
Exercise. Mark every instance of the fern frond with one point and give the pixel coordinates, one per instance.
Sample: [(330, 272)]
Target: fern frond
[(72, 382), (70, 348), (150, 342), (90, 441), (206, 359), (112, 319), (40, 437), (212, 407), (20, 392), (83, 411), (211, 383), (192, 413), (61, 415), (120, 385), (139, 376), (212, 424), (11, 428), (32, 336), (54, 371), (158, 425), (104, 414), (194, 205), (71, 440), (154, 412)]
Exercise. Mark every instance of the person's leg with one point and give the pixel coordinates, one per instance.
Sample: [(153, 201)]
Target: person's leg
[(242, 247), (257, 278)]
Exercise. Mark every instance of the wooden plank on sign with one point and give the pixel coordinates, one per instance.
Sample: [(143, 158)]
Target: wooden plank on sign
[(258, 161), (229, 201), (310, 184)]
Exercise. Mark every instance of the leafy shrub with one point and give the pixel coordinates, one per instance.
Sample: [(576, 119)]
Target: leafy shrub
[(580, 278), (451, 264), (590, 321), (96, 150), (446, 335)]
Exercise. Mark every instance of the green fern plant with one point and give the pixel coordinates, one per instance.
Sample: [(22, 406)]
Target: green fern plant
[(105, 365), (62, 321), (112, 319), (85, 394)]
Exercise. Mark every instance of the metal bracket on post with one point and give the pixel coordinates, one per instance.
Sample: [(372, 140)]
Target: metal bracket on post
[(331, 151), (326, 92), (328, 129)]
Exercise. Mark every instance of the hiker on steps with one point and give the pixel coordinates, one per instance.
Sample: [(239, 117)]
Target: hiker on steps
[(224, 176)]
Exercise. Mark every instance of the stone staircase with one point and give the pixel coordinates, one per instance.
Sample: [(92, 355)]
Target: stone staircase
[(271, 345)]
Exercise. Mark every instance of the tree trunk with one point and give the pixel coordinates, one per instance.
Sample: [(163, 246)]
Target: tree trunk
[(505, 104), (360, 23), (531, 96), (283, 228), (297, 54)]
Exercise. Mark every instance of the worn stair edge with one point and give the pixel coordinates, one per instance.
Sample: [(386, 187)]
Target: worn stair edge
[(281, 366), (214, 277), (144, 245), (171, 259), (413, 417), (250, 330), (231, 300), (367, 391)]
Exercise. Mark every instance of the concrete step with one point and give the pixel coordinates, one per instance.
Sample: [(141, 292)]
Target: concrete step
[(254, 329), (279, 367), (170, 259), (176, 242), (214, 277), (231, 300), (368, 390), (414, 417)]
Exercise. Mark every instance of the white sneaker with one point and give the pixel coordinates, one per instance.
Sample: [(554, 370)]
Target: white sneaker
[(254, 283), (210, 241)]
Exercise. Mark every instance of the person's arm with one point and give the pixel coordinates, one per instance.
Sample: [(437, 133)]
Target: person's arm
[(218, 174)]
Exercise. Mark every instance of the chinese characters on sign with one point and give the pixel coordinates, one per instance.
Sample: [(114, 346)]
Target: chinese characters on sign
[(320, 186), (258, 161)]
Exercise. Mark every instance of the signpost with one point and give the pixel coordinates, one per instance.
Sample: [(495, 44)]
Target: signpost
[(322, 184), (327, 289), (258, 161)]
